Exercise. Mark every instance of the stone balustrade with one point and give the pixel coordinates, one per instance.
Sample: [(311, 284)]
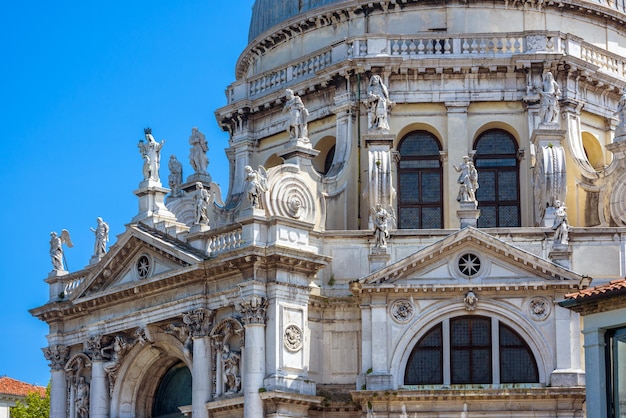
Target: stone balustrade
[(411, 47), (71, 284), (225, 241)]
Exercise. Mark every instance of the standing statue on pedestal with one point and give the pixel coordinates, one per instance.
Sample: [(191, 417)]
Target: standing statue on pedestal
[(550, 94), (102, 237), (197, 154), (381, 219), (151, 153), (298, 116), (560, 225), (468, 181), (378, 104), (56, 248), (232, 379), (82, 398), (175, 178), (203, 200), (620, 130), (256, 184)]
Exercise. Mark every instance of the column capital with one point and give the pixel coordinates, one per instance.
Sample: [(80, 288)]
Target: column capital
[(199, 321), (253, 310), (57, 355)]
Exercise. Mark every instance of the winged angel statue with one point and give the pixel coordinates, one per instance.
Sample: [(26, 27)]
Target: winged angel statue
[(56, 248), (382, 217), (256, 184)]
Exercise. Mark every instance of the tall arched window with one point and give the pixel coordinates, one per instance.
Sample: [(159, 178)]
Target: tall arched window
[(420, 188), (498, 179), (467, 345)]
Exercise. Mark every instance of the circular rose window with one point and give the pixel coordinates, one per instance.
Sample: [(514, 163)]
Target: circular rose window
[(143, 266), (469, 264)]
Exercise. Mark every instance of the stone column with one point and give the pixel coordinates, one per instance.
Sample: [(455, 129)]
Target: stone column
[(199, 322), (99, 386), (253, 316), (57, 355), (595, 372)]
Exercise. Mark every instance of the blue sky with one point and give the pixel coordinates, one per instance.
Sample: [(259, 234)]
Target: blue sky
[(79, 80)]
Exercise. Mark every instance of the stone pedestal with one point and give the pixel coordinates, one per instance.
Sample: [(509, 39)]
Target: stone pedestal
[(57, 280), (561, 255), (379, 258), (299, 153), (468, 214), (152, 204)]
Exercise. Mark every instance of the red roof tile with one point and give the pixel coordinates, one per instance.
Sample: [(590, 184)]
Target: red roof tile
[(613, 288), (10, 386)]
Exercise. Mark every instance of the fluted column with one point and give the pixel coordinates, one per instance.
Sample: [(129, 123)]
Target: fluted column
[(99, 387), (57, 355), (253, 312), (199, 322)]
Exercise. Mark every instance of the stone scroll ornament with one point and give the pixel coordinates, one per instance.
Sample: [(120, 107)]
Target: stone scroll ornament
[(620, 130), (549, 179)]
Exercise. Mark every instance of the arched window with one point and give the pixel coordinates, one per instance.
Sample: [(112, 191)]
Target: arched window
[(467, 345), (420, 188), (174, 391), (498, 179)]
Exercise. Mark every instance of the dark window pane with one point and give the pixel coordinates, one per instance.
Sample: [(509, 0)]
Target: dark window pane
[(507, 185), (409, 188), (498, 178), (431, 184), (517, 363), (487, 216), (420, 182), (425, 364), (431, 217), (470, 350), (508, 216), (409, 218)]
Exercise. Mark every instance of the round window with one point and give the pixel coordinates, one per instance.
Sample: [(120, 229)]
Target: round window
[(143, 266), (469, 264)]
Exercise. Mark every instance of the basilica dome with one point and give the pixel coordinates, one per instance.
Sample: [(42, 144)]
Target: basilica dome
[(267, 13)]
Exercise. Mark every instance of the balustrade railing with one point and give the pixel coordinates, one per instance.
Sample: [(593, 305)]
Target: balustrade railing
[(225, 241), (436, 45)]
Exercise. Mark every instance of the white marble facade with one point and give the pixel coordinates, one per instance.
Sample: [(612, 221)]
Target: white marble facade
[(291, 297)]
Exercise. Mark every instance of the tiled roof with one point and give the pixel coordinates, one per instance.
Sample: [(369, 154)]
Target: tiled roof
[(605, 291), (10, 386)]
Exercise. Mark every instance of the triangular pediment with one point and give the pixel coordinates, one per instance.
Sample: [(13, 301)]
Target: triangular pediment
[(141, 254), (469, 258)]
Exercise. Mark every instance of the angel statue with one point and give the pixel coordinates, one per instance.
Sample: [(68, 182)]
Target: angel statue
[(256, 184), (56, 248), (298, 116), (151, 153), (381, 218)]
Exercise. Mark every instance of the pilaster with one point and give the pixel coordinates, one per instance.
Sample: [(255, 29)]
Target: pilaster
[(457, 134)]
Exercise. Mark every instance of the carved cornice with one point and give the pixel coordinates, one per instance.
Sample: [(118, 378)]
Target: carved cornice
[(57, 355)]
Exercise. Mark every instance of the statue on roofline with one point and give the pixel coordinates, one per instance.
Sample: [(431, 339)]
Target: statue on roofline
[(298, 117), (197, 154), (56, 248), (151, 153), (102, 237), (175, 178), (379, 104), (256, 184)]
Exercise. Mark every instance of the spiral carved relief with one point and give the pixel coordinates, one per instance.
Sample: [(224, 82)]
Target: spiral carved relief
[(290, 197)]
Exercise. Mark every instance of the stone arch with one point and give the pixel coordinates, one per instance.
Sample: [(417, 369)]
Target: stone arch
[(141, 372), (488, 308), (229, 332), (497, 125), (273, 161), (593, 151), (324, 161), (407, 129)]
